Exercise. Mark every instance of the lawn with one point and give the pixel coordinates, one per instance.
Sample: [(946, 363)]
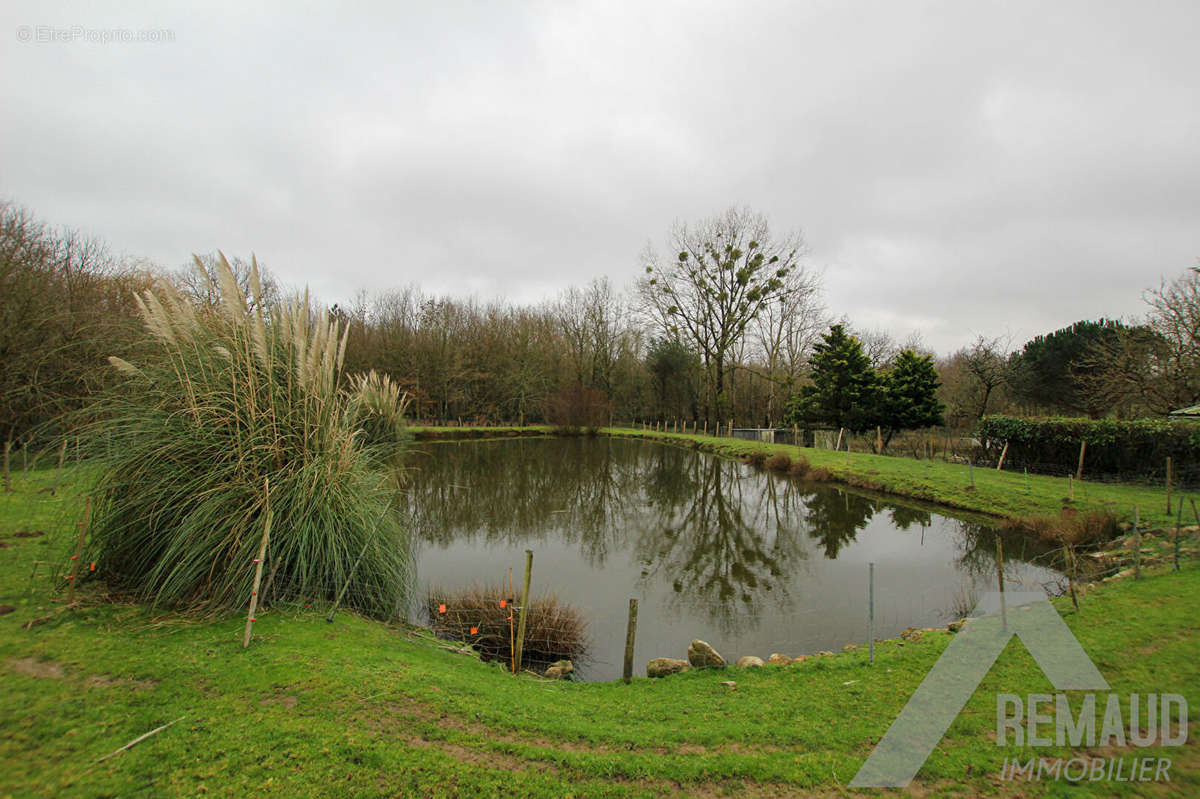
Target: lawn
[(360, 708)]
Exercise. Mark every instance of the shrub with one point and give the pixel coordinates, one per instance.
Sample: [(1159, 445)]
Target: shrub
[(222, 401), (1115, 448), (820, 475), (799, 466), (757, 458), (1071, 527), (779, 462), (553, 630)]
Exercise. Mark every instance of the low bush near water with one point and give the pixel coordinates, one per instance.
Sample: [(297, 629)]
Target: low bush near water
[(1072, 527), (779, 462), (799, 467), (221, 402), (480, 616)]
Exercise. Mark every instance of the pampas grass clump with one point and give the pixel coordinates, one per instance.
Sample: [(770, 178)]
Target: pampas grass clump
[(220, 402)]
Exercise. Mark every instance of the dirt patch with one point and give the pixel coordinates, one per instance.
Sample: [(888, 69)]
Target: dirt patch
[(32, 667), (29, 533), (108, 681), (286, 702), (6, 609)]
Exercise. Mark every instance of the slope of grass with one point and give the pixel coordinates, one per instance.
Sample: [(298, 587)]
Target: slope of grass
[(1007, 495), (358, 708)]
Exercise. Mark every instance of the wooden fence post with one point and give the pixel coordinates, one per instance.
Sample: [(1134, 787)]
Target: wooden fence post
[(1168, 485), (83, 528), (1003, 455), (1000, 580), (1137, 545), (1082, 452), (7, 449), (630, 635), (258, 566), (1178, 530), (62, 453), (520, 651)]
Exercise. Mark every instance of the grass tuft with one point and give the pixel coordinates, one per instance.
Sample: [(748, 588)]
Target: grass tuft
[(554, 630)]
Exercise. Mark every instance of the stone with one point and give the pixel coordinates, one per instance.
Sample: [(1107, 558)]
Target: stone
[(560, 670), (777, 659), (849, 647), (749, 662), (911, 634), (703, 656), (730, 684), (824, 653), (664, 667), (796, 661)]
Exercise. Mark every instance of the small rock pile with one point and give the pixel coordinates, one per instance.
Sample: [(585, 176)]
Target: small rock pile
[(701, 655)]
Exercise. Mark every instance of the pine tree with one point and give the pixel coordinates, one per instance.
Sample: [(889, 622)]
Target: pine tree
[(844, 392), (909, 400)]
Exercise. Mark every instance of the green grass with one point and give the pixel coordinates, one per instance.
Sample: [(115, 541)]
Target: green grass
[(357, 708), (1000, 494)]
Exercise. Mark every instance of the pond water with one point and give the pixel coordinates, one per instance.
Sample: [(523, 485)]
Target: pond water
[(748, 560)]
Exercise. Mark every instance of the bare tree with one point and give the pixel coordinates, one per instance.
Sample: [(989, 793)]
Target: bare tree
[(724, 271), (986, 365)]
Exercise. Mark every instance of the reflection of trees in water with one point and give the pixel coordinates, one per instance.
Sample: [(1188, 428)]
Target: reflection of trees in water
[(835, 517), (725, 538), (510, 492), (976, 544)]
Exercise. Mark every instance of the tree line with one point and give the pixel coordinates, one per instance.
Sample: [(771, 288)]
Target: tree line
[(728, 323)]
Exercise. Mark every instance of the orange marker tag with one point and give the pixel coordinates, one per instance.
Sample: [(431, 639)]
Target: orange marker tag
[(503, 603), (441, 608), (474, 631), (93, 568)]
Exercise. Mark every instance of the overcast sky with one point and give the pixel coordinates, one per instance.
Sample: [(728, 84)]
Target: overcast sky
[(957, 168)]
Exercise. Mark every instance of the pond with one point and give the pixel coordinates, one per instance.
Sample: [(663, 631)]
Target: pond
[(750, 561)]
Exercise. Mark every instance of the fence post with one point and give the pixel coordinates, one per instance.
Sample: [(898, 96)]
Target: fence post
[(1178, 529), (1071, 487), (971, 470), (1000, 580), (1071, 569), (258, 566), (871, 611), (630, 634), (1137, 545), (7, 449), (1168, 486), (1082, 452), (83, 528), (62, 453), (1003, 455), (524, 610)]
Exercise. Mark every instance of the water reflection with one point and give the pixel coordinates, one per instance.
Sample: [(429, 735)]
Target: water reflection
[(717, 543)]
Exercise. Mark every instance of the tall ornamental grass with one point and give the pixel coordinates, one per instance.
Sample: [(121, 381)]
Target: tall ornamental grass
[(223, 401)]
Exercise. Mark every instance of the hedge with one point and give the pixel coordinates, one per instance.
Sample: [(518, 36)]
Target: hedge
[(1115, 449)]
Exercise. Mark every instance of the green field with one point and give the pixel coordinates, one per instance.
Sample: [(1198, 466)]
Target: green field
[(358, 708)]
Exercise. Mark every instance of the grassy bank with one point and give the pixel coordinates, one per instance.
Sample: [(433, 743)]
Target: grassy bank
[(1006, 495), (359, 708)]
